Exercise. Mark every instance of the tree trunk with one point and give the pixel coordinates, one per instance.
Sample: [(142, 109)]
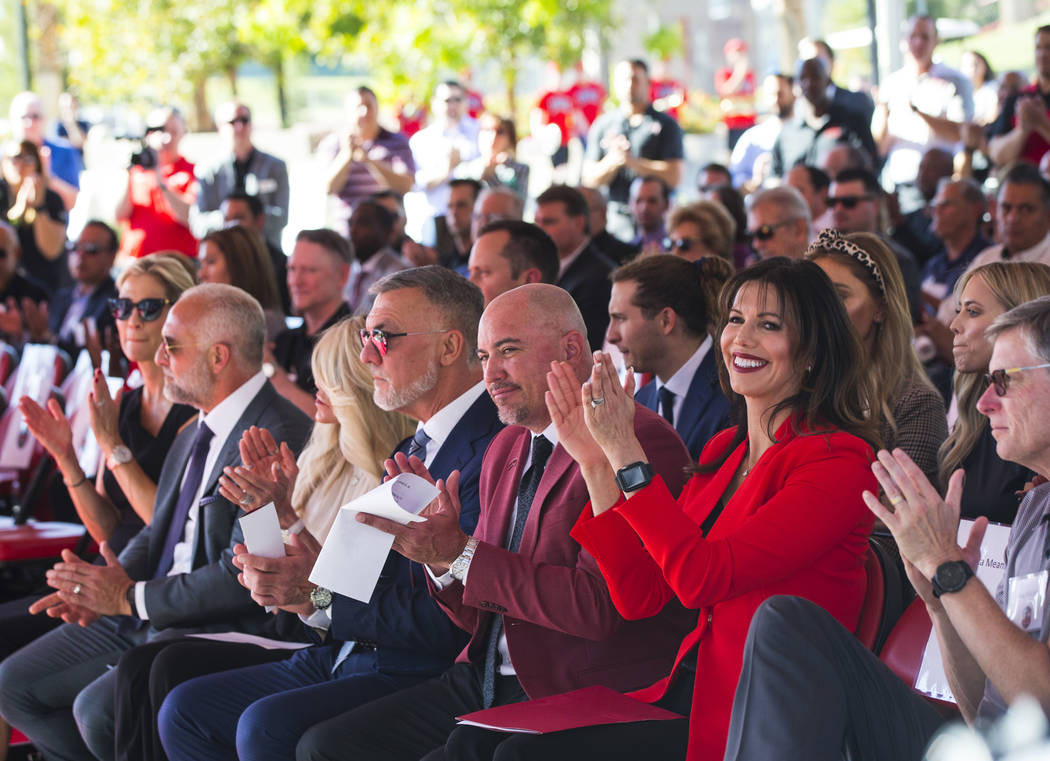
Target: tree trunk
[(231, 75), (282, 97), (202, 121)]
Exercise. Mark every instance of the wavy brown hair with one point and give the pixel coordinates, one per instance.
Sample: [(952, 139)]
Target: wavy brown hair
[(835, 391)]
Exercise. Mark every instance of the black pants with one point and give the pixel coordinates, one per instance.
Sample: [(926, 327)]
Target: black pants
[(809, 688), (419, 723), (18, 627), (145, 675)]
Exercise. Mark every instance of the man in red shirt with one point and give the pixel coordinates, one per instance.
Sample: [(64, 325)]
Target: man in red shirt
[(588, 97), (155, 211)]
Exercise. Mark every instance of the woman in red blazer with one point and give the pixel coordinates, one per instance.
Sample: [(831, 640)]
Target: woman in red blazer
[(773, 508)]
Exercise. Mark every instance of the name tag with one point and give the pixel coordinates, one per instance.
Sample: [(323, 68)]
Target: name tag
[(1027, 601)]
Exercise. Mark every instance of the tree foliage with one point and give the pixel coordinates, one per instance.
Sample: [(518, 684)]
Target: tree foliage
[(153, 51)]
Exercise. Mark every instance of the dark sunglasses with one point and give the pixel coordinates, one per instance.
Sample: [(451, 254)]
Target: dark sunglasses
[(1000, 379), (849, 202), (765, 232), (149, 309), (682, 244), (240, 120), (84, 248), (380, 339)]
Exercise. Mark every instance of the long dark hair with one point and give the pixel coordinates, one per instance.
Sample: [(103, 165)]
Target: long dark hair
[(835, 392)]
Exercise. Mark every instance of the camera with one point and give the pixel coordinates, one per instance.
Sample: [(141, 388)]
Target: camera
[(144, 157)]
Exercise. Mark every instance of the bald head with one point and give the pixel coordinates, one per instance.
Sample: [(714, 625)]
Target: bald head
[(521, 333)]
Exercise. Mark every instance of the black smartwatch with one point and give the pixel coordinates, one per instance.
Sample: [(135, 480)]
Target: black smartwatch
[(634, 476), (951, 577)]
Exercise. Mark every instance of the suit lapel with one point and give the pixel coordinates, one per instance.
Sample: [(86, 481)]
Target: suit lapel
[(698, 398), (497, 512), (180, 452), (646, 396), (461, 445)]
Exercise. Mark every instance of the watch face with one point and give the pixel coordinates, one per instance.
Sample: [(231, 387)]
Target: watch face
[(321, 598), (951, 576)]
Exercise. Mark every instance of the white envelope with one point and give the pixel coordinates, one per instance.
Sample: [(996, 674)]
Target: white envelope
[(354, 554)]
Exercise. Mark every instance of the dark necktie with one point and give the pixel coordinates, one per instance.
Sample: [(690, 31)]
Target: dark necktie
[(530, 481), (418, 446), (190, 485), (666, 404)]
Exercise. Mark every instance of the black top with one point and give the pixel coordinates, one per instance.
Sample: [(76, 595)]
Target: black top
[(991, 483), (293, 348), (21, 287), (799, 141), (53, 273), (656, 137), (149, 453)]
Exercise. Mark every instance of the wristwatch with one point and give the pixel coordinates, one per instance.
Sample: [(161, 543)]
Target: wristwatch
[(120, 455), (951, 577), (459, 566), (634, 476), (321, 598)]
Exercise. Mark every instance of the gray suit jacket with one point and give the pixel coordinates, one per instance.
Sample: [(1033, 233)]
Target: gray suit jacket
[(208, 598), (270, 184)]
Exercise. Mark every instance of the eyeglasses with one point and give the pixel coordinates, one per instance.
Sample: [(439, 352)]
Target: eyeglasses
[(240, 120), (380, 339), (765, 232), (454, 99), (149, 309), (682, 244), (171, 348), (1000, 379), (849, 202)]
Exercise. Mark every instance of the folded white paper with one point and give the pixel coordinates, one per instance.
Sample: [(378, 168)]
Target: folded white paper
[(353, 554), (262, 532)]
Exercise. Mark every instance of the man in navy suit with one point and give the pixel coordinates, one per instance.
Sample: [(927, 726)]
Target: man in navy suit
[(421, 348), (175, 576), (659, 321), (562, 213)]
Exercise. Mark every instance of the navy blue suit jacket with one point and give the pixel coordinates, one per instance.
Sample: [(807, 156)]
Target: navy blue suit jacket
[(587, 281), (411, 632), (705, 410)]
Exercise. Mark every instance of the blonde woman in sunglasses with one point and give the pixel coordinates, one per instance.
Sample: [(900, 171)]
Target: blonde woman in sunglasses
[(133, 430)]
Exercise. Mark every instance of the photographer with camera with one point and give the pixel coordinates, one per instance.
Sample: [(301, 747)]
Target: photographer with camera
[(155, 212)]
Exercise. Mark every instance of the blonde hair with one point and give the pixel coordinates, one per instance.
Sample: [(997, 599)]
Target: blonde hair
[(364, 435), (892, 361), (717, 228), (1012, 283), (167, 268)]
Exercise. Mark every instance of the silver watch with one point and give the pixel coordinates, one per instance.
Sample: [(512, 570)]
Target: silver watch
[(321, 598), (120, 455), (459, 566)]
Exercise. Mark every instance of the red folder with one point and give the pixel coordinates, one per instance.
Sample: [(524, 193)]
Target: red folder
[(570, 710)]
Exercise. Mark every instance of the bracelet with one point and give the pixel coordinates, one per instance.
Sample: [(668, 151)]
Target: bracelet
[(83, 478)]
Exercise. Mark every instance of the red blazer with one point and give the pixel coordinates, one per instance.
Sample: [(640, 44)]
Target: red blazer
[(796, 526), (563, 630)]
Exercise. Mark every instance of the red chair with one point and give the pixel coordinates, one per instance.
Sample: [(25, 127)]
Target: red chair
[(874, 601), (8, 361), (903, 651)]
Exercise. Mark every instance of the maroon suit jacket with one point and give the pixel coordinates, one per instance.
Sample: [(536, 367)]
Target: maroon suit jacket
[(563, 631)]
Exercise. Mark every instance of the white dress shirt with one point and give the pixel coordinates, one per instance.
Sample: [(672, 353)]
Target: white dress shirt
[(221, 420)]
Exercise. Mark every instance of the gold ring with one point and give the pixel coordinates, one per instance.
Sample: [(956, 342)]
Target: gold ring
[(895, 500)]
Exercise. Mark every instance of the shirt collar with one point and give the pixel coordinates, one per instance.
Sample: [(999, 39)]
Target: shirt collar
[(565, 263), (679, 383), (224, 415), (439, 426)]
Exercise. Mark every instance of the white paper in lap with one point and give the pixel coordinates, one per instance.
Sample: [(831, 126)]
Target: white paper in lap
[(931, 679), (353, 554)]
